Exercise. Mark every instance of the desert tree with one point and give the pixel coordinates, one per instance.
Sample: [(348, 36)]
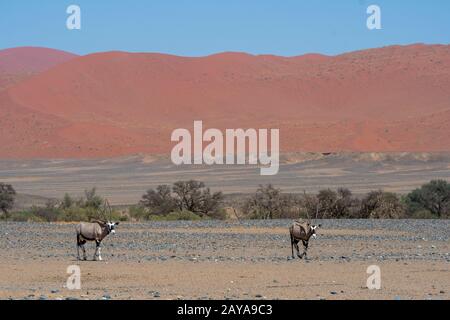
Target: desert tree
[(382, 205), (310, 204), (433, 197), (327, 200), (7, 198), (195, 197), (159, 201), (268, 202)]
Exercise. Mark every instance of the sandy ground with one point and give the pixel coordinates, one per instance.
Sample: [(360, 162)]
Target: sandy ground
[(221, 260), (238, 280)]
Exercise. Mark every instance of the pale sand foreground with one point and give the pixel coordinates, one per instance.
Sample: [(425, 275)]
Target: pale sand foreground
[(201, 280)]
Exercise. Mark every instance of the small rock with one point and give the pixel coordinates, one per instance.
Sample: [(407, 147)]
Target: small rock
[(54, 291), (106, 297), (333, 292), (258, 296), (442, 291)]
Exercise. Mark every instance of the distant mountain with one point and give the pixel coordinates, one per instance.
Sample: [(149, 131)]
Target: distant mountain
[(19, 63), (395, 98)]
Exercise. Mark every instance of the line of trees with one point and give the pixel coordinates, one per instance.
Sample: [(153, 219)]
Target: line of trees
[(192, 200), (84, 208), (432, 200)]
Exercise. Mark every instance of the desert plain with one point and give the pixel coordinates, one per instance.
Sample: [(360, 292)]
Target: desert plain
[(229, 260)]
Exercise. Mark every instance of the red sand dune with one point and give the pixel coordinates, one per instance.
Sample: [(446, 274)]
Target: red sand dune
[(17, 64), (107, 104)]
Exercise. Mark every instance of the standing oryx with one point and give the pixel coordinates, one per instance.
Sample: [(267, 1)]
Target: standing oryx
[(94, 231), (301, 232)]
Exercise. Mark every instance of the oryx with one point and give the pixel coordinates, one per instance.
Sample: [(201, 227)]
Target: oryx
[(302, 232), (94, 231)]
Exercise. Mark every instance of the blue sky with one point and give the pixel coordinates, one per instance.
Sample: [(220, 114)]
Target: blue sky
[(202, 27)]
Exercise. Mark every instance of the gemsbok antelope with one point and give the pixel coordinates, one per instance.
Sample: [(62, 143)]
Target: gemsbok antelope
[(302, 232), (95, 231)]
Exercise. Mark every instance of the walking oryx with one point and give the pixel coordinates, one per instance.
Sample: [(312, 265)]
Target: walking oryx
[(301, 232), (94, 231)]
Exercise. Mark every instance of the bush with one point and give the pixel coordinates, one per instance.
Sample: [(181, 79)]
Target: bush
[(190, 195), (424, 214), (195, 197), (25, 216), (47, 213), (220, 214), (138, 213), (159, 201), (75, 214), (433, 197), (382, 205), (7, 197), (92, 200), (67, 202), (176, 216), (267, 203)]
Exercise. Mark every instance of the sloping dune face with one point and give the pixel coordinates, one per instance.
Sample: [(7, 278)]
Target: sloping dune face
[(17, 64), (389, 99)]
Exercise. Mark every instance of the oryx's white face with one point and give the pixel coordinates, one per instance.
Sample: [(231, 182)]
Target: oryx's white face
[(313, 230), (111, 227)]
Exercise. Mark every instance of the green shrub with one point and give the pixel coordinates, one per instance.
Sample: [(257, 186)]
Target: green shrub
[(176, 216), (25, 216), (118, 216), (138, 213), (424, 214), (74, 214), (220, 214), (433, 197)]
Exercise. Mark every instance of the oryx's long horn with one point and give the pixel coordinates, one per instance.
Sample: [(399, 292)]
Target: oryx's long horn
[(109, 209), (102, 211)]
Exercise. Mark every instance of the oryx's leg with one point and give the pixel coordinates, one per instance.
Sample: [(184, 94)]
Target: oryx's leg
[(98, 253), (84, 250), (297, 249), (305, 249), (80, 243), (78, 247), (292, 246)]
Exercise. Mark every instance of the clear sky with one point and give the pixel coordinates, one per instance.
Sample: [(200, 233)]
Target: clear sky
[(202, 27)]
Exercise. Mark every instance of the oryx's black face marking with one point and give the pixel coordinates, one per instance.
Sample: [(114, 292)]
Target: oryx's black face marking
[(111, 227), (313, 229)]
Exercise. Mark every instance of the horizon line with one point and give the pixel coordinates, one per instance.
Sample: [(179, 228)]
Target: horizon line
[(228, 51)]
